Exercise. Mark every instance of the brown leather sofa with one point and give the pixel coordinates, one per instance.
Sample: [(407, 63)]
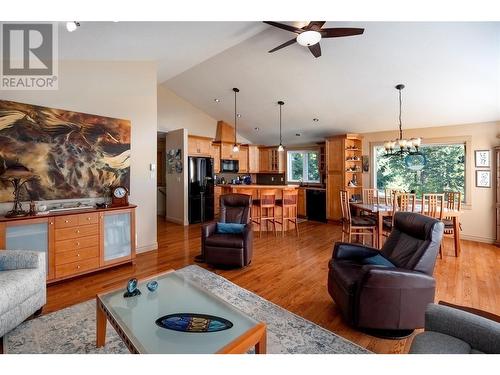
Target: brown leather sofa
[(388, 300), (229, 249)]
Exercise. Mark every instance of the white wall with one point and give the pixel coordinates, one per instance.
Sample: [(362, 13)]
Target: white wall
[(116, 89), (479, 218), (175, 112)]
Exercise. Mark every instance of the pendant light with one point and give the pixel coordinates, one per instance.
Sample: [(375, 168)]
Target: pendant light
[(401, 146), (280, 147), (235, 146)]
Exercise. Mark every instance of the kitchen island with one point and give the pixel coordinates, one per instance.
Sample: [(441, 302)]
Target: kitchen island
[(254, 190)]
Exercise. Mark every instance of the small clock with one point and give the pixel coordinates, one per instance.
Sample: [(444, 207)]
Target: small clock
[(119, 196)]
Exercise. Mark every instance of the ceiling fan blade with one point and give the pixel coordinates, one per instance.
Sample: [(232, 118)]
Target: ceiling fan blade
[(315, 50), (285, 27), (286, 44), (336, 32), (314, 25)]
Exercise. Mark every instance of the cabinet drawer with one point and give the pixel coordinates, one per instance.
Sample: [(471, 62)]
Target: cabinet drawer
[(66, 221), (76, 232), (76, 243), (76, 267), (76, 255), (90, 218)]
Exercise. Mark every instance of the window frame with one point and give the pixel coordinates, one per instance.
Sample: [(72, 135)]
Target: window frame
[(305, 165), (465, 140)]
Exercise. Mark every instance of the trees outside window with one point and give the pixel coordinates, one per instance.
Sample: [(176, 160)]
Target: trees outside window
[(444, 170), (303, 166)]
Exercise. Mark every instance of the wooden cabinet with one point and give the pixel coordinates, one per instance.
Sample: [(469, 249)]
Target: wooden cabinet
[(253, 159), (343, 165), (271, 160), (226, 151), (301, 202), (199, 146), (216, 157), (74, 242), (217, 194), (243, 159)]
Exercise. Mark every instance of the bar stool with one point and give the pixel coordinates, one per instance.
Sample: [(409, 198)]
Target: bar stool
[(266, 205), (246, 191), (288, 205)]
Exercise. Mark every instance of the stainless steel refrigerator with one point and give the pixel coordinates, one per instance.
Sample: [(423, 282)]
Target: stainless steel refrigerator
[(200, 189)]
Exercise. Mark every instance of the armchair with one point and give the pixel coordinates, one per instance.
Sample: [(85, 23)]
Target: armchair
[(22, 288), (388, 296), (229, 249)]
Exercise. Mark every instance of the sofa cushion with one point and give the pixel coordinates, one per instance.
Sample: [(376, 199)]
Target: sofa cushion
[(230, 228), (18, 285), (225, 240), (430, 342), (377, 260)]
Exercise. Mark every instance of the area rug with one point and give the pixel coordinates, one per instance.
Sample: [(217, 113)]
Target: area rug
[(72, 330)]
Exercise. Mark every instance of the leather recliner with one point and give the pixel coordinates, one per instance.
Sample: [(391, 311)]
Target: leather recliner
[(229, 249), (388, 298)]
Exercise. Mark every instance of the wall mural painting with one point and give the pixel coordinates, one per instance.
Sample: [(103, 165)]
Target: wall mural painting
[(73, 155)]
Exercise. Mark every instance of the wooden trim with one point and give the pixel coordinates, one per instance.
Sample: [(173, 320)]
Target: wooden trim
[(255, 336), (201, 137), (51, 254), (101, 239)]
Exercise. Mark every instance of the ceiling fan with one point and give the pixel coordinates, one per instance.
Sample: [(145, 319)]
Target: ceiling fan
[(310, 35)]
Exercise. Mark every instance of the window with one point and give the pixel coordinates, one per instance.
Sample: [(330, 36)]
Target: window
[(303, 166), (444, 170)]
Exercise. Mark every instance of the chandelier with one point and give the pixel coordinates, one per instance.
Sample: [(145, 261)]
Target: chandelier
[(401, 146)]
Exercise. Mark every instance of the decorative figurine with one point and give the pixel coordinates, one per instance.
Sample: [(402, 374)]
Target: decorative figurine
[(132, 290), (152, 285)]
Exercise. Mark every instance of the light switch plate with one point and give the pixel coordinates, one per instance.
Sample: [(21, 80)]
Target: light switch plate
[(152, 167)]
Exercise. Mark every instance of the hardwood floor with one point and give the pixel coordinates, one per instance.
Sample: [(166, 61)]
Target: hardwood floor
[(292, 272)]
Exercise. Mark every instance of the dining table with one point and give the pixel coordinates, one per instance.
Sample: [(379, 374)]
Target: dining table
[(383, 210)]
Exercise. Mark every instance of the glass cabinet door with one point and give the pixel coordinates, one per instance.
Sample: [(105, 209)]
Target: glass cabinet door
[(117, 240), (34, 237)]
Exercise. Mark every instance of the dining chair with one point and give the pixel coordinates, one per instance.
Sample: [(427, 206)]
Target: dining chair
[(453, 202), (370, 196), (400, 201), (389, 195), (433, 206), (355, 225)]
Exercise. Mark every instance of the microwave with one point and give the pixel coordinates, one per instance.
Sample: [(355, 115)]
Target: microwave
[(230, 166)]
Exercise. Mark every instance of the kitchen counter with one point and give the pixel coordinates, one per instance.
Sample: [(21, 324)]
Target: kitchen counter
[(255, 186)]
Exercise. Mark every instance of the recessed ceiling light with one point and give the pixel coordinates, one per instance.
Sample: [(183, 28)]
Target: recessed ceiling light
[(72, 26), (297, 134), (238, 115), (315, 119), (256, 128), (217, 100)]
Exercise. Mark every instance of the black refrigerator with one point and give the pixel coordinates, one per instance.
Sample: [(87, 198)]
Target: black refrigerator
[(200, 189)]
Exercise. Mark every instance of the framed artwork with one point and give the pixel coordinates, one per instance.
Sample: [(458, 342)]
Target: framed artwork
[(73, 154), (365, 162), (483, 178), (482, 158)]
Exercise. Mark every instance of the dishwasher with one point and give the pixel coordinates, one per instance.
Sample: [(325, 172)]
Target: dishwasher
[(316, 205)]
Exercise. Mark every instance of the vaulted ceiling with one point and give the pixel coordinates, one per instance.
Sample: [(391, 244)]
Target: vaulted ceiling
[(451, 71)]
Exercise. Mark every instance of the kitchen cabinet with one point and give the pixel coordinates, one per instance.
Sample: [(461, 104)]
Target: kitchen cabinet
[(226, 151), (199, 146), (243, 159), (76, 242), (253, 159), (271, 160), (216, 156), (301, 202)]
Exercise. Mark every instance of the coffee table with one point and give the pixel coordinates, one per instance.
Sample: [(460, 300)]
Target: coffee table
[(134, 319)]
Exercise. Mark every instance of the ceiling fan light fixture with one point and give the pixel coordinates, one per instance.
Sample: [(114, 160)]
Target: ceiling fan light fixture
[(308, 38), (72, 26)]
